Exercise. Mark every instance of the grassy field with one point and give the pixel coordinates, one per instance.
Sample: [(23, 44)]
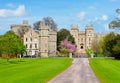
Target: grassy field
[(107, 70), (37, 70)]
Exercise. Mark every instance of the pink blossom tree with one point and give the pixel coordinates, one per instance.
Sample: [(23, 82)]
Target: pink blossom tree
[(68, 45)]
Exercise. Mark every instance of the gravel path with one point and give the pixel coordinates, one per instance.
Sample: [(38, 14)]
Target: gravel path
[(78, 72)]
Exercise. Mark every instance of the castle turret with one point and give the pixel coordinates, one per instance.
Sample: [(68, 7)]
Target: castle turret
[(43, 40), (89, 36), (52, 42), (74, 32)]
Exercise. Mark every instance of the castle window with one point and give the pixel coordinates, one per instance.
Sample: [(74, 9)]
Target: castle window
[(26, 39), (30, 45), (35, 45), (26, 45), (31, 39)]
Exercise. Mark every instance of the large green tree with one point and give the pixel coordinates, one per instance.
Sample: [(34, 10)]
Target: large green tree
[(110, 44), (11, 44), (63, 34)]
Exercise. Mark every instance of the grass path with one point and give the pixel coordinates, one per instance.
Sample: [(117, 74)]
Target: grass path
[(37, 70), (107, 70)]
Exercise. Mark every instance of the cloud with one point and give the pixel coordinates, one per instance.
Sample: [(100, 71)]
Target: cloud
[(10, 5), (92, 7), (20, 11), (81, 15), (104, 17)]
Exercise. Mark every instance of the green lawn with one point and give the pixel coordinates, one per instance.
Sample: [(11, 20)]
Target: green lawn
[(37, 70), (107, 70)]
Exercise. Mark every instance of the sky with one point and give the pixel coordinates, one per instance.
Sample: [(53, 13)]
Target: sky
[(65, 13)]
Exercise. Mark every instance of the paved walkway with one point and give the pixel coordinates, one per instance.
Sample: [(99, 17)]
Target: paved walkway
[(78, 72)]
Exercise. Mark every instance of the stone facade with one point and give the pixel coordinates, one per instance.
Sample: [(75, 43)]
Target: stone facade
[(84, 39), (41, 43)]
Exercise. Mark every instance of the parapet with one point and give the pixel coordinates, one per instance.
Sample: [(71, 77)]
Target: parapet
[(74, 27), (89, 27)]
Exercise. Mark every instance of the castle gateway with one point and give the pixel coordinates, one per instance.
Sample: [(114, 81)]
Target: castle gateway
[(85, 38)]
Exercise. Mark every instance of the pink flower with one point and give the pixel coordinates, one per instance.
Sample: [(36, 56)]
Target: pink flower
[(66, 44)]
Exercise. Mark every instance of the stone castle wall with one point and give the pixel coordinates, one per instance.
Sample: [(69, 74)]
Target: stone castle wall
[(41, 43)]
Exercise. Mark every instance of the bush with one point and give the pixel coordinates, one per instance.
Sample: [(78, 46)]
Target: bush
[(88, 52), (64, 52)]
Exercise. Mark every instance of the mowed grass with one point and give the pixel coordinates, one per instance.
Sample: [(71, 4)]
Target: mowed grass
[(106, 69), (37, 70)]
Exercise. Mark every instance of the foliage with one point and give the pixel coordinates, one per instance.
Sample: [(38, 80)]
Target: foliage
[(11, 44), (89, 52), (106, 69), (64, 52), (115, 24), (63, 34), (68, 45), (47, 21), (116, 50), (50, 22), (38, 70), (109, 44), (95, 46)]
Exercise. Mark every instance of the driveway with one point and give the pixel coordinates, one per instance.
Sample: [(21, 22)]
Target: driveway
[(78, 72)]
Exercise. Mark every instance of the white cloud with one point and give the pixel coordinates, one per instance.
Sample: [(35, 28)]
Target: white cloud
[(10, 5), (92, 7), (20, 11), (81, 15), (104, 17)]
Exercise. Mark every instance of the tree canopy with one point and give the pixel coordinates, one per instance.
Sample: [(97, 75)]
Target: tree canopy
[(47, 21), (115, 23), (63, 34), (11, 44), (111, 44)]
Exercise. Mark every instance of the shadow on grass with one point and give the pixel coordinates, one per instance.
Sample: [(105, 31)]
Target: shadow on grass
[(11, 61)]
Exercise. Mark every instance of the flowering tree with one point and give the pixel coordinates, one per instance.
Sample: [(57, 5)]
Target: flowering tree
[(68, 45)]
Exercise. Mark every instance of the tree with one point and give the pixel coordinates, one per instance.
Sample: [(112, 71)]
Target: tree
[(115, 23), (36, 25), (110, 44), (50, 22), (63, 34), (95, 45), (68, 45), (11, 44), (47, 21)]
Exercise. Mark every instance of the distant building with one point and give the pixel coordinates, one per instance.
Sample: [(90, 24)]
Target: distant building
[(85, 38), (41, 43)]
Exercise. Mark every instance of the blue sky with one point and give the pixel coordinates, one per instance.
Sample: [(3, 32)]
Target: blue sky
[(65, 12)]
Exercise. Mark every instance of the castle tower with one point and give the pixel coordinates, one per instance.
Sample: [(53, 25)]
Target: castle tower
[(18, 28), (89, 31), (43, 40), (74, 32), (52, 42)]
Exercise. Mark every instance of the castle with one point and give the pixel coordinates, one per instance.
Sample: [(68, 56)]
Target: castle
[(40, 43), (85, 38)]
